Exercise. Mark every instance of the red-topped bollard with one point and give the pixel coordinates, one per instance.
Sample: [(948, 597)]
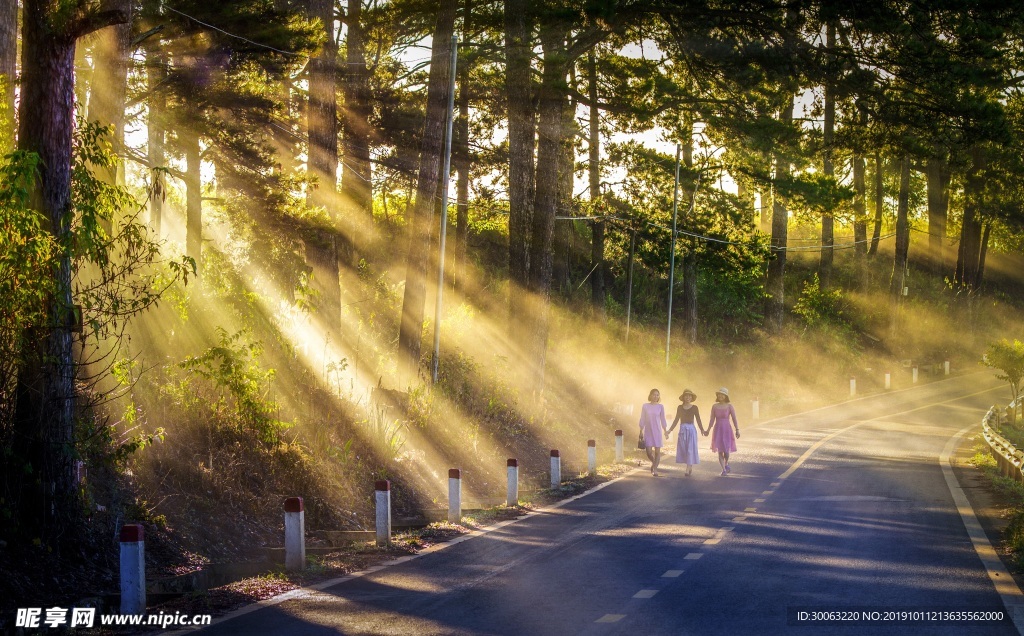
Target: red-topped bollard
[(618, 446), (294, 534), (133, 569), (382, 493), (592, 457), (556, 469), (512, 493), (454, 495)]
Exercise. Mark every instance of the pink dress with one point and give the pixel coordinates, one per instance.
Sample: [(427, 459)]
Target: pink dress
[(652, 423), (722, 437)]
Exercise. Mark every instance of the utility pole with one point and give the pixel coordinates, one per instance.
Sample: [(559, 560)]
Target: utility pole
[(672, 259), (449, 119)]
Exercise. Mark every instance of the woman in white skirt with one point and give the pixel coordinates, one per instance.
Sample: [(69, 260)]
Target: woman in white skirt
[(686, 445)]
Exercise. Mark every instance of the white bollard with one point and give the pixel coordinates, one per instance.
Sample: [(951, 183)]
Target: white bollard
[(888, 380), (294, 534), (382, 492), (454, 495), (512, 493), (592, 457), (556, 469), (133, 569), (913, 373), (946, 366), (618, 446), (756, 409), (853, 386)]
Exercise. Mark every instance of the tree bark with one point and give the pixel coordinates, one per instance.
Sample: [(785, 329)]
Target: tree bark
[(109, 87), (879, 204), (938, 175), (690, 314), (968, 259), (827, 218), (356, 176), (549, 150), (156, 72), (322, 125), (901, 253), (44, 416), (521, 142), (564, 228), (983, 252), (462, 161), (8, 70), (420, 226), (193, 200), (860, 226), (775, 285), (597, 263)]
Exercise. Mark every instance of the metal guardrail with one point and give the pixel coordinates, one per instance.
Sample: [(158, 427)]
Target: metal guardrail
[(1009, 459)]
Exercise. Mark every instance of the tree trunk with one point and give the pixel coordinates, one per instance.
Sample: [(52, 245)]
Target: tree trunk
[(690, 255), (775, 285), (860, 226), (767, 205), (321, 117), (109, 87), (564, 228), (549, 150), (420, 225), (827, 218), (597, 264), (8, 71), (521, 142), (356, 222), (901, 253), (938, 175), (44, 416), (980, 279), (193, 200), (156, 72), (879, 204), (968, 259), (462, 161)]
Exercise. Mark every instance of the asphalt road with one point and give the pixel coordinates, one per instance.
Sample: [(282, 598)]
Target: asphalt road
[(843, 509)]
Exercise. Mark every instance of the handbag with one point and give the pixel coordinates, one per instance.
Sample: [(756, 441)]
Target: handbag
[(640, 443)]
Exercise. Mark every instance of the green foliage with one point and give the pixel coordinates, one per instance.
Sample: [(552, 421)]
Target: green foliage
[(26, 252), (240, 386), (821, 308), (1007, 358)]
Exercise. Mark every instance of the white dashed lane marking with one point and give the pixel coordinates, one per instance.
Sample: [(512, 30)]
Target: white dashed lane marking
[(645, 593), (610, 618), (671, 574)]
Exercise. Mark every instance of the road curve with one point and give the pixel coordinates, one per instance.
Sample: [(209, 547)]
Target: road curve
[(842, 512)]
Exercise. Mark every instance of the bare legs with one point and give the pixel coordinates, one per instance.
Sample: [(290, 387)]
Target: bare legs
[(723, 459), (655, 458)]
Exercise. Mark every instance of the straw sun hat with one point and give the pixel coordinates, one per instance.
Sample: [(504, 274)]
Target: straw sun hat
[(688, 392), (723, 391)]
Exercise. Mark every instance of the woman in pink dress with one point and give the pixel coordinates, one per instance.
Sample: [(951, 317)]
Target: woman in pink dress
[(652, 424), (722, 440)]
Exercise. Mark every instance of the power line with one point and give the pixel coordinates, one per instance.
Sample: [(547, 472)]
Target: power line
[(267, 46)]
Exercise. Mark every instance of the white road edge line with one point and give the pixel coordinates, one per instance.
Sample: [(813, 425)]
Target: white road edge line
[(1006, 587), (308, 590)]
